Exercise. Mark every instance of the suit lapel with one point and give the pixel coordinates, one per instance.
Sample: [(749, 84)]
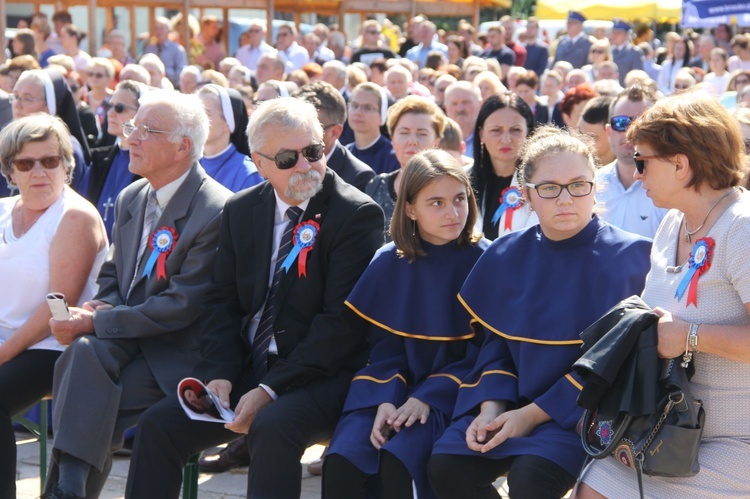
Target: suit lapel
[(176, 210), (130, 238), (263, 218)]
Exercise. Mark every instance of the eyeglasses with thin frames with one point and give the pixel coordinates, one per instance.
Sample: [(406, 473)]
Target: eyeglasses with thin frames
[(366, 108), (24, 99), (549, 190), (142, 131)]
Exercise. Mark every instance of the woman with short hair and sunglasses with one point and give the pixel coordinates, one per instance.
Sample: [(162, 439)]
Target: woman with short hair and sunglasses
[(691, 159), (51, 240), (516, 411), (108, 173)]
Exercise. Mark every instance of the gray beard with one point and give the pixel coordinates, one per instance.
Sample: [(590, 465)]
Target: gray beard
[(299, 179)]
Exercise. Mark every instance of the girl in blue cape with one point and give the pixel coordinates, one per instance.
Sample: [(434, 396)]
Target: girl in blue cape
[(421, 340), (533, 292)]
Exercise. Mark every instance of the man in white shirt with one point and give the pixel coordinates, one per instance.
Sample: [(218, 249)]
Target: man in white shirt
[(295, 56), (622, 200), (250, 54)]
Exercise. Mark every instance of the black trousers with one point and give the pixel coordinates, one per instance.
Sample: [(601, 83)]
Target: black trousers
[(529, 477), (24, 381), (343, 480), (278, 437)]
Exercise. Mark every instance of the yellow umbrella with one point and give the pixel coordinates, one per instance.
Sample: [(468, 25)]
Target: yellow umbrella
[(659, 10)]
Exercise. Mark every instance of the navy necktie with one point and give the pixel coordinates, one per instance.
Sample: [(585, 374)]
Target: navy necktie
[(264, 332)]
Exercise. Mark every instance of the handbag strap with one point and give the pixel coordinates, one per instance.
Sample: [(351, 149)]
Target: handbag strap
[(588, 418)]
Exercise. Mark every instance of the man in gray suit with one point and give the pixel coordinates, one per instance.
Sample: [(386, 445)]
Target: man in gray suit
[(626, 55), (130, 346), (574, 47)]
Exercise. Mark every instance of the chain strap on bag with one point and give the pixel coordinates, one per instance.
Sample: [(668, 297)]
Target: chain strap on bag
[(664, 443)]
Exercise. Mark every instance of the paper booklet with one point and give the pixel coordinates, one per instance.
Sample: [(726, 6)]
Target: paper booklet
[(201, 404)]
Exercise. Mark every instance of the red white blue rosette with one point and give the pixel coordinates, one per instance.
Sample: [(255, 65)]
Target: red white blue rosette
[(700, 262), (304, 237), (162, 243), (510, 200)]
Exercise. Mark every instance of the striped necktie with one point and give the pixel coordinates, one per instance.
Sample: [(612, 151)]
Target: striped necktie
[(264, 332)]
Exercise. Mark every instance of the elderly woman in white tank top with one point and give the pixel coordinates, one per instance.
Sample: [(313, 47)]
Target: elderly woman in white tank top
[(51, 240)]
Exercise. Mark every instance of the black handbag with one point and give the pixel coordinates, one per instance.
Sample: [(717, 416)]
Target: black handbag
[(664, 443)]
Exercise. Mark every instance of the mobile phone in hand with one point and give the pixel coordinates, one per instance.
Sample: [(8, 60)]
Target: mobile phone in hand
[(58, 306)]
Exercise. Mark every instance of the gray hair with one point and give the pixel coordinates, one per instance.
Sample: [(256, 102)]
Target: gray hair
[(464, 85), (153, 59), (339, 66), (34, 128), (103, 63), (293, 115), (190, 119), (276, 57), (193, 70), (140, 72)]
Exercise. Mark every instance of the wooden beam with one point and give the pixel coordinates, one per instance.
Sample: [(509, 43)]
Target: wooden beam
[(93, 35), (225, 30), (3, 25), (186, 36), (133, 32), (269, 22)]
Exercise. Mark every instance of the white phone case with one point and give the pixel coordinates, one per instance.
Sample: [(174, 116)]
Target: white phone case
[(58, 306)]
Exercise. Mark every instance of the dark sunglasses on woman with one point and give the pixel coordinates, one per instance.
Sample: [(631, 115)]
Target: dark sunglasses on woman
[(119, 107)]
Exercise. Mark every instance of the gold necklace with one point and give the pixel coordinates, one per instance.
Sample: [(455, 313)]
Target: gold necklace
[(688, 233)]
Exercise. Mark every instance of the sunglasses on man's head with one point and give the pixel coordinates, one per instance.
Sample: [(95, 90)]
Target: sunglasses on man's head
[(287, 159), (621, 123), (119, 107)]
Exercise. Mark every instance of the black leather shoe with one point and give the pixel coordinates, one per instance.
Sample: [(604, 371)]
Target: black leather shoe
[(232, 456), (57, 493)]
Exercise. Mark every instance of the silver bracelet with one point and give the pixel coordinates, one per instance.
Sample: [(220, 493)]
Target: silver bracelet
[(688, 355), (693, 337)]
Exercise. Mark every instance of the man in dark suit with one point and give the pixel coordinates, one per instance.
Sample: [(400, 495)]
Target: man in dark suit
[(277, 344), (131, 345), (331, 108)]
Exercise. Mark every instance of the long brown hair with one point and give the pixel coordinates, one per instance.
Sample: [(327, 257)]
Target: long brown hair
[(419, 171)]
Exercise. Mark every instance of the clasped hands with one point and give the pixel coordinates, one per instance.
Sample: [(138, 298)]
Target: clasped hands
[(81, 322), (389, 419), (494, 425)]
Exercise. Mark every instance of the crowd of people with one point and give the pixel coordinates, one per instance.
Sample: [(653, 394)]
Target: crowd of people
[(391, 245)]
